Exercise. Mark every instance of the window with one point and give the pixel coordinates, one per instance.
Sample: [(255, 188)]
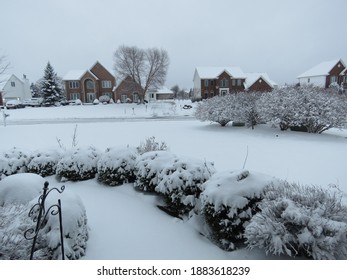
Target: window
[(211, 93), (224, 83), (75, 96), (13, 84), (345, 79), (233, 82), (333, 79), (206, 94), (308, 80), (74, 84), (90, 84), (238, 82), (206, 83), (136, 98), (106, 84), (212, 82), (123, 98)]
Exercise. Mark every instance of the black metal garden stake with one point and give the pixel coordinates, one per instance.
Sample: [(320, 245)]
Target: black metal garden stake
[(41, 218)]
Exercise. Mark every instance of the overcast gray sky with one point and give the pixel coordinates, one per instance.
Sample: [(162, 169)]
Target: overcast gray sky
[(282, 38)]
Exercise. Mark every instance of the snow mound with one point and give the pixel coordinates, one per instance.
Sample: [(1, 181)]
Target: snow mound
[(20, 188)]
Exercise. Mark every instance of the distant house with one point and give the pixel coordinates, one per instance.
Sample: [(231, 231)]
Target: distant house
[(325, 74), (212, 81), (128, 91), (259, 82), (13, 88), (161, 94), (88, 85)]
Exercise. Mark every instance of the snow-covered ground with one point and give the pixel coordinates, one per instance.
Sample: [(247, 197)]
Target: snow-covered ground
[(125, 224)]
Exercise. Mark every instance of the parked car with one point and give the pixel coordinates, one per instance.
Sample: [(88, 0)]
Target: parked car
[(14, 104), (33, 102)]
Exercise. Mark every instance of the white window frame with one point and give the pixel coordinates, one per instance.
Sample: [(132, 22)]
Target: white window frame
[(106, 84), (75, 96), (74, 84)]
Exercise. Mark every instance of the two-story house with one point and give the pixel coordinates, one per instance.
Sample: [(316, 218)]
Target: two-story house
[(88, 85), (212, 81), (11, 87), (325, 74)]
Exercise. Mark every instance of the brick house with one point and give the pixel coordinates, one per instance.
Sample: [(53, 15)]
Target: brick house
[(325, 74), (128, 91), (88, 85), (212, 81)]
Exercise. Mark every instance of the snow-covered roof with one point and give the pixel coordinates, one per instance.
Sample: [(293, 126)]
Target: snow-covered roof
[(74, 75), (322, 69), (251, 78), (214, 72), (164, 90)]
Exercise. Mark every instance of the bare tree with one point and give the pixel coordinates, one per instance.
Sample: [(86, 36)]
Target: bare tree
[(3, 64), (147, 68)]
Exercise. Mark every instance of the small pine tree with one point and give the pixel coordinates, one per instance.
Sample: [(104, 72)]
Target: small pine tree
[(51, 88)]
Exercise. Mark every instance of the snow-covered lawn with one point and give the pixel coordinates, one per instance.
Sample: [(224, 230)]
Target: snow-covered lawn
[(125, 224)]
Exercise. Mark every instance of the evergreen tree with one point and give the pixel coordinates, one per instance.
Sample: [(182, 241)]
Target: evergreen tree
[(51, 88)]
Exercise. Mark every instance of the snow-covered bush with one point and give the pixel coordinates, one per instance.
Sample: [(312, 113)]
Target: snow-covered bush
[(104, 99), (20, 188), (215, 109), (180, 183), (300, 221), (12, 162), (43, 163), (306, 108), (150, 144), (14, 222), (148, 168), (116, 166), (75, 229), (78, 164), (229, 200)]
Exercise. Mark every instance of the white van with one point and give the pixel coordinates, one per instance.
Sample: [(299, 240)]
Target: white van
[(33, 102)]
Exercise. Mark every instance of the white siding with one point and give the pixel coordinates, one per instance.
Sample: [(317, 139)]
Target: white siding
[(16, 89), (197, 85), (318, 81)]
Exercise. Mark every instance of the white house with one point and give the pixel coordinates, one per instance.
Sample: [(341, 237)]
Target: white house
[(324, 74), (11, 87)]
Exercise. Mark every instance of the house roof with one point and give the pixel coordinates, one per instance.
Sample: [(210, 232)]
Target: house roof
[(322, 69), (214, 72), (251, 78), (75, 75), (164, 90)]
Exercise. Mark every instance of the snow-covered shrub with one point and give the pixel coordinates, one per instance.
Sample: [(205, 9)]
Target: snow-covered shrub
[(78, 164), (308, 108), (104, 99), (215, 109), (43, 163), (180, 183), (300, 220), (14, 221), (12, 162), (229, 200), (20, 188), (116, 166), (150, 144), (75, 229), (148, 167)]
